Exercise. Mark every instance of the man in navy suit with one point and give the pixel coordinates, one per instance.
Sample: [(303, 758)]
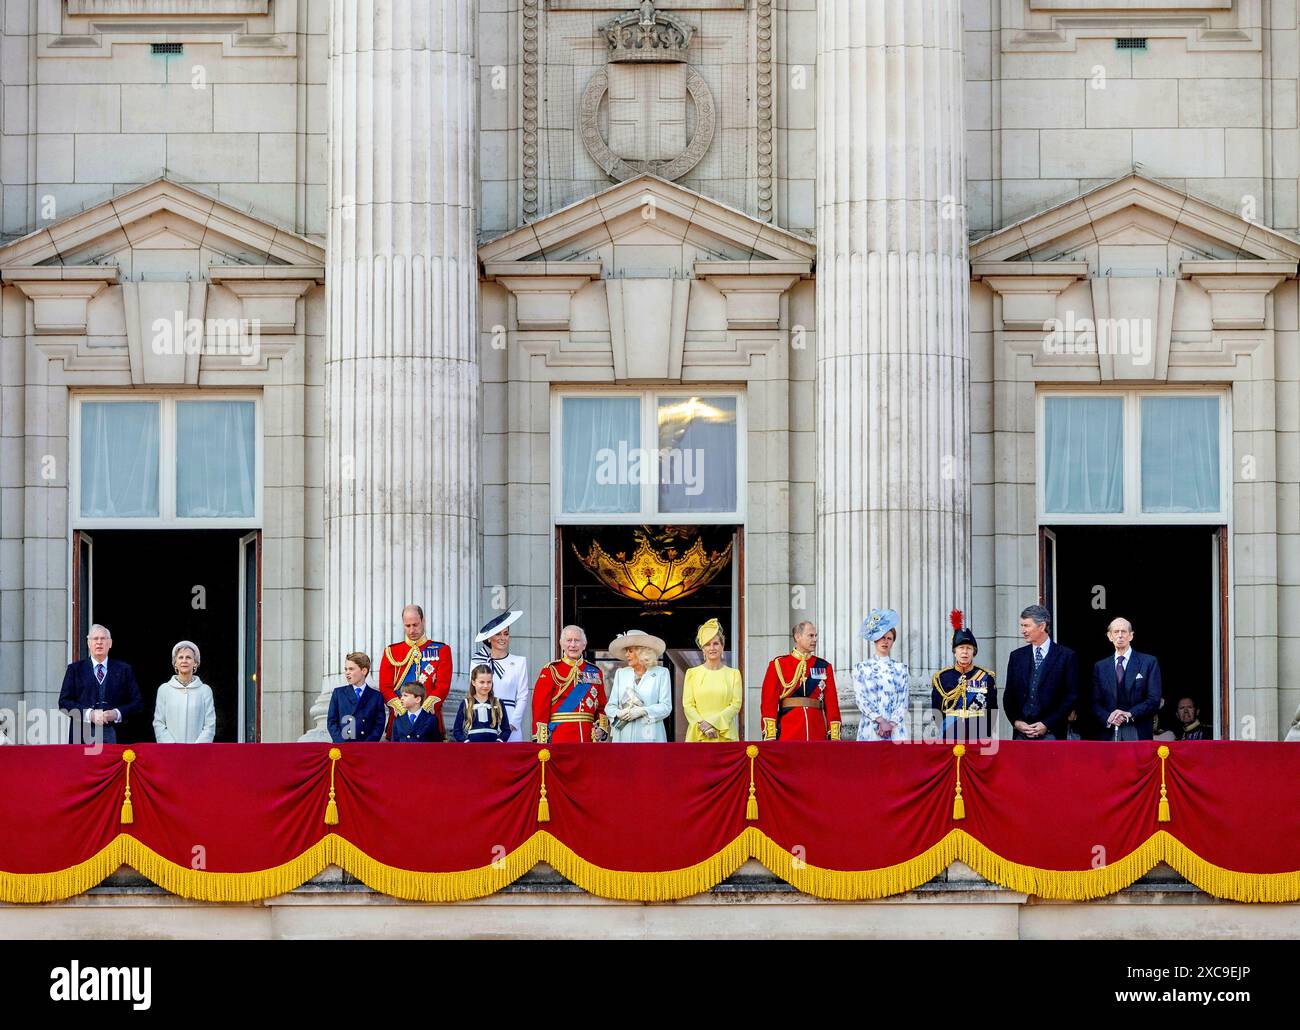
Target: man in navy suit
[(98, 694), (1125, 687), (1042, 681), (357, 709)]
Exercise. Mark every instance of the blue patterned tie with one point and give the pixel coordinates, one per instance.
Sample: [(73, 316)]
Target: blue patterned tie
[(1038, 657)]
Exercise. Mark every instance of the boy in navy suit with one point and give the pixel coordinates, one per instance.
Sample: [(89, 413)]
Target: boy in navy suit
[(356, 709), (415, 725)]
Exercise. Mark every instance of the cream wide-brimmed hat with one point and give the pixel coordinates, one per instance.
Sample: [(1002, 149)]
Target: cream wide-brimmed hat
[(636, 638)]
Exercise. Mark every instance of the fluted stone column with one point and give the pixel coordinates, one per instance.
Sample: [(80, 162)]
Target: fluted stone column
[(401, 373), (893, 443)]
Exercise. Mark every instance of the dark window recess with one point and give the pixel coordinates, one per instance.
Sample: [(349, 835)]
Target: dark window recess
[(1135, 43), (169, 48)]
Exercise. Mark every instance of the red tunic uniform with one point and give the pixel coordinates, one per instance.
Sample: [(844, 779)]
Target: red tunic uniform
[(568, 702), (427, 662), (799, 700)]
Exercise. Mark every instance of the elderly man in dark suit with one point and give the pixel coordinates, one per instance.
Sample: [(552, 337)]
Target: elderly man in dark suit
[(1042, 681), (1126, 687), (98, 695)]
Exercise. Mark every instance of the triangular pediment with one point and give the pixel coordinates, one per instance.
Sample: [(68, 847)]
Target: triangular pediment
[(637, 225), (165, 218), (1132, 224)]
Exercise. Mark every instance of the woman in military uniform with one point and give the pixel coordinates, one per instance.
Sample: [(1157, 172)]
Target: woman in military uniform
[(964, 695)]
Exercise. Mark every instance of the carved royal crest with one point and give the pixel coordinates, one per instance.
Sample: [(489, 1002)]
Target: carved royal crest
[(647, 35), (649, 86)]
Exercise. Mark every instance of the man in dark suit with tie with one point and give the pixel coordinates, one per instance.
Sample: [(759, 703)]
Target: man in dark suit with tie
[(1042, 681), (357, 709), (98, 695), (1126, 687)]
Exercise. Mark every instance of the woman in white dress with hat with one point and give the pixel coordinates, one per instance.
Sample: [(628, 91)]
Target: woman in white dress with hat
[(641, 696), (880, 682)]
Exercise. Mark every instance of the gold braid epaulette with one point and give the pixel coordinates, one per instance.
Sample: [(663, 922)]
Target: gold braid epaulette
[(563, 684), (949, 698), (796, 681)]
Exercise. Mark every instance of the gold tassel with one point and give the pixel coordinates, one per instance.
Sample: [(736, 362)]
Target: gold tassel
[(543, 806), (958, 805), (128, 810), (751, 806), (331, 806), (1162, 812)]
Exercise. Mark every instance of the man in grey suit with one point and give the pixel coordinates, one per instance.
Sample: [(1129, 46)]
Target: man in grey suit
[(1126, 687)]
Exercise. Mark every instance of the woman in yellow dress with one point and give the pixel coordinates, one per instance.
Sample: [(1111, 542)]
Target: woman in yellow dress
[(711, 695)]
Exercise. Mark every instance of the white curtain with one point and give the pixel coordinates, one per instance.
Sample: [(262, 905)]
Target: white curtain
[(119, 459), (697, 439), (601, 471), (1084, 455), (216, 459), (1180, 454)]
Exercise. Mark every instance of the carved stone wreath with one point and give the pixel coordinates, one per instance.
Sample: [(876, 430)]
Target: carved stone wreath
[(619, 169)]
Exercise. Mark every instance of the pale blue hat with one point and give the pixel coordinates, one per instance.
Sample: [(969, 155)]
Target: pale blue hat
[(878, 623)]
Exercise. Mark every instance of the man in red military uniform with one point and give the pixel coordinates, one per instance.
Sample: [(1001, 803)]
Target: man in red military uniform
[(569, 696), (799, 700), (417, 659)]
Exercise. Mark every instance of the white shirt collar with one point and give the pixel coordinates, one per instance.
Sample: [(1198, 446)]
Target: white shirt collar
[(1128, 655), (1045, 646)]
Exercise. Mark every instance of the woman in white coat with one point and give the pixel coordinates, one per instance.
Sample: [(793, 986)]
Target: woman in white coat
[(641, 697), (184, 712)]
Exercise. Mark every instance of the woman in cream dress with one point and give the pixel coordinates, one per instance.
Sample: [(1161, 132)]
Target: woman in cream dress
[(711, 696), (185, 712), (641, 697)]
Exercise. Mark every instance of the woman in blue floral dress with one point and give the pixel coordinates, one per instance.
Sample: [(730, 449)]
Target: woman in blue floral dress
[(880, 683)]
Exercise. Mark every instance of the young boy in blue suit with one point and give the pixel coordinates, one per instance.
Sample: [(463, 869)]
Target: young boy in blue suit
[(415, 726)]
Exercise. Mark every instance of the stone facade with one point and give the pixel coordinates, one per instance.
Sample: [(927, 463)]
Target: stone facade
[(863, 249)]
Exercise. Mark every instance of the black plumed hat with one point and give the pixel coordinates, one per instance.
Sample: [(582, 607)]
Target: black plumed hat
[(960, 634)]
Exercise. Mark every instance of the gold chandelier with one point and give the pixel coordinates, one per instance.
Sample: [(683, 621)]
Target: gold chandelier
[(655, 576)]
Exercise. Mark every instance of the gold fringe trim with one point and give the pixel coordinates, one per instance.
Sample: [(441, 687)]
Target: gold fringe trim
[(667, 885)]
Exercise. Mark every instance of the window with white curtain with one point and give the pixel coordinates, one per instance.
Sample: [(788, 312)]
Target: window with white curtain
[(630, 456), (1083, 460), (167, 460), (119, 459), (1180, 454), (216, 455), (1132, 456)]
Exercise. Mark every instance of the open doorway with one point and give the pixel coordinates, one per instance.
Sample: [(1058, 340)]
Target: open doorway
[(152, 588), (1168, 581), (604, 612)]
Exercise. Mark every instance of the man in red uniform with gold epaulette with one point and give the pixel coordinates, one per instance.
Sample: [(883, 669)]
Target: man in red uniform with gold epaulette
[(569, 696), (417, 659), (799, 700)]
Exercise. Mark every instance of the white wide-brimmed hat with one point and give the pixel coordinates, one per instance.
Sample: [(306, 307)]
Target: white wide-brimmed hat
[(496, 624), (636, 638)]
